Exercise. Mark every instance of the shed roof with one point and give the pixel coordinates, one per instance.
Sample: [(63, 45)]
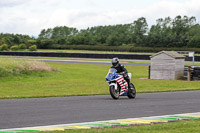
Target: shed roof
[(173, 54)]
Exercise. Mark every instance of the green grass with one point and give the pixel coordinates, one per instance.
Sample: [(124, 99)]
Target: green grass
[(88, 51), (171, 127), (85, 59), (72, 79), (82, 79), (85, 51), (13, 67)]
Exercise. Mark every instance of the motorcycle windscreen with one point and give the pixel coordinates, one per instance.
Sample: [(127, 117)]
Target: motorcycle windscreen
[(111, 74)]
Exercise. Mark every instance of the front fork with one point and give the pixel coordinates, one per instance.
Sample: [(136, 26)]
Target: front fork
[(114, 84)]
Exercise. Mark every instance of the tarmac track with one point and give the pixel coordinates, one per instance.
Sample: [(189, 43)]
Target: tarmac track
[(90, 62), (17, 113)]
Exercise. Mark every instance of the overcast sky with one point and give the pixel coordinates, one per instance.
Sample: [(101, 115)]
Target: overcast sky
[(31, 16)]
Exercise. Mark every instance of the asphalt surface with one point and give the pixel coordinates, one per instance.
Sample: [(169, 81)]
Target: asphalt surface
[(90, 62), (17, 113)]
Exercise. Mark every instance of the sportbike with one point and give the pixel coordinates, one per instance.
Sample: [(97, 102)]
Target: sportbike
[(118, 86)]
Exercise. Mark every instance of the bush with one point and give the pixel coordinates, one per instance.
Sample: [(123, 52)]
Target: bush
[(14, 48), (33, 48), (4, 47), (22, 46)]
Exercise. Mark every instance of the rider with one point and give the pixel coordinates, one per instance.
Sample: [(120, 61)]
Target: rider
[(120, 69)]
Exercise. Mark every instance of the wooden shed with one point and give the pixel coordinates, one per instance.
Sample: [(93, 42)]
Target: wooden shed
[(167, 65)]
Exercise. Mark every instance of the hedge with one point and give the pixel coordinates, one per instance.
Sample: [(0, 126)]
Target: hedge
[(122, 48)]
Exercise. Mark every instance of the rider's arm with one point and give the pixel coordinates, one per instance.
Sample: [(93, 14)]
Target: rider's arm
[(124, 71)]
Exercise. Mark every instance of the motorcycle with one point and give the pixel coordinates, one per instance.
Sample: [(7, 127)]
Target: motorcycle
[(118, 86)]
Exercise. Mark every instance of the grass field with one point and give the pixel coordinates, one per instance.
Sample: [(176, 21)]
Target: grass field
[(171, 127), (82, 79), (85, 59), (88, 51)]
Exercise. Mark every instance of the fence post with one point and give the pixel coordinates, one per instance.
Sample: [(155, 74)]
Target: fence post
[(189, 73), (149, 71)]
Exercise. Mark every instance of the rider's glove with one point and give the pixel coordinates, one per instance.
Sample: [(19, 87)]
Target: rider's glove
[(122, 73)]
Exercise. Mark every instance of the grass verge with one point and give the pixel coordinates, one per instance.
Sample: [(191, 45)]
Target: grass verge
[(89, 51), (12, 67), (192, 126)]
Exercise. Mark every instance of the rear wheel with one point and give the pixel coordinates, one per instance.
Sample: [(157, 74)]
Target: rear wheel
[(131, 91), (114, 92)]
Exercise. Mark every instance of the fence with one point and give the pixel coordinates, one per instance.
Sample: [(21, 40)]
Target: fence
[(192, 73), (88, 55)]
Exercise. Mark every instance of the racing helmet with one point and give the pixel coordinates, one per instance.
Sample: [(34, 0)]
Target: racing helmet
[(115, 62)]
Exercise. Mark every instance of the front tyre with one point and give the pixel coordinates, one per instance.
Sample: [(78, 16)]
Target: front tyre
[(131, 91), (114, 92)]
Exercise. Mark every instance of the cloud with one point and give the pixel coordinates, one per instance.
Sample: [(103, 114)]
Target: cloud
[(12, 3), (30, 17), (172, 9)]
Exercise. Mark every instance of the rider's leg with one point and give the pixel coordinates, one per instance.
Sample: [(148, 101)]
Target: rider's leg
[(127, 80)]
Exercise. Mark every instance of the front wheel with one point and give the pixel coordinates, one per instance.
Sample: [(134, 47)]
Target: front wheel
[(114, 92), (131, 91)]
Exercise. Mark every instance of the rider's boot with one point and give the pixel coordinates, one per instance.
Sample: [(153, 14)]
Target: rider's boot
[(128, 81)]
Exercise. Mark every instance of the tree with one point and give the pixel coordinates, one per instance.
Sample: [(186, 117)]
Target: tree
[(171, 32), (194, 42), (181, 26), (114, 40), (14, 48), (45, 43), (58, 32), (22, 46), (140, 28), (33, 48), (32, 42), (4, 47), (17, 39), (13, 39), (194, 36), (161, 35), (42, 34), (45, 34)]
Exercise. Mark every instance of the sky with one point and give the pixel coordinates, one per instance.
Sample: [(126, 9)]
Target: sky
[(31, 16)]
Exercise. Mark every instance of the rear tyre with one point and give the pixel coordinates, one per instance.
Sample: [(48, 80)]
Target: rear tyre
[(131, 91), (114, 93)]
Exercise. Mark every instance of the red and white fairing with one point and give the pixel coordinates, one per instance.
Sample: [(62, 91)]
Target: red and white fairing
[(124, 85)]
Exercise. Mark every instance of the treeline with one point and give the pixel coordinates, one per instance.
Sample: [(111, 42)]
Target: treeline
[(166, 33), (16, 39), (17, 42)]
